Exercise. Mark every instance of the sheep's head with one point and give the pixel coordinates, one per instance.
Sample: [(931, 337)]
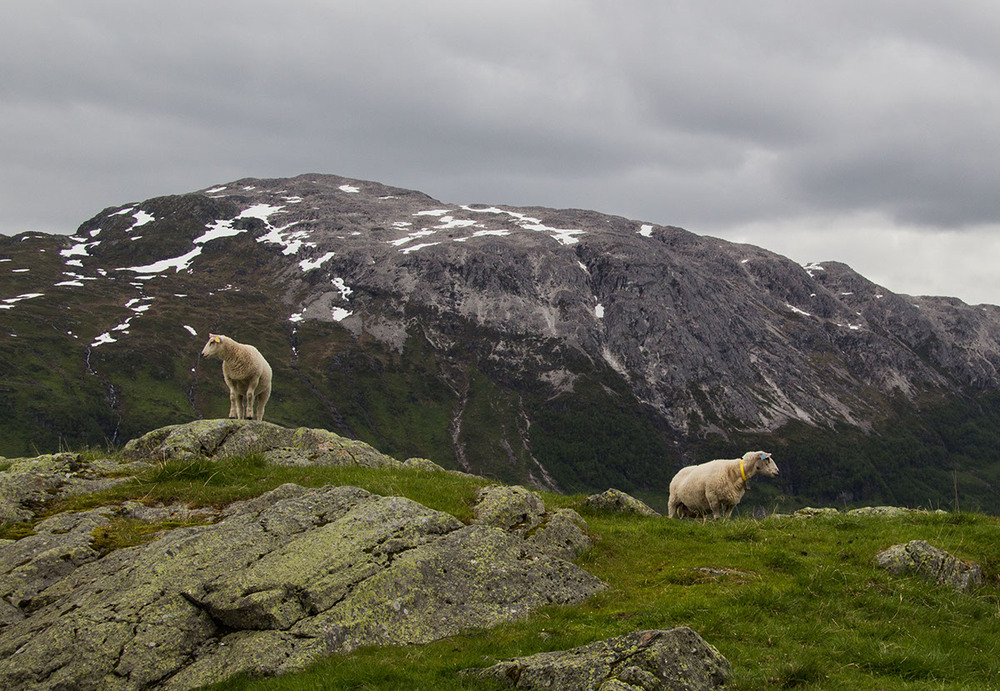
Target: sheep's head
[(763, 462), (212, 347)]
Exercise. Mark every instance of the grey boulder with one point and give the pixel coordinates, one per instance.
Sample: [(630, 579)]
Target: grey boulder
[(616, 501), (921, 558), (643, 660)]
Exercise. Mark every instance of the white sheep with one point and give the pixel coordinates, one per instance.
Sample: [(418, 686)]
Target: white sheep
[(716, 486), (247, 375)]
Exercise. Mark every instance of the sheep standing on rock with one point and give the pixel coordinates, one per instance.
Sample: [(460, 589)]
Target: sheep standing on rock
[(247, 375), (716, 486)]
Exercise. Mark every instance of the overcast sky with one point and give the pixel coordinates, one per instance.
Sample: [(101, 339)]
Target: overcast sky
[(864, 131)]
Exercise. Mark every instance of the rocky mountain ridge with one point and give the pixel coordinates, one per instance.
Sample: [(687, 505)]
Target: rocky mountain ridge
[(564, 348)]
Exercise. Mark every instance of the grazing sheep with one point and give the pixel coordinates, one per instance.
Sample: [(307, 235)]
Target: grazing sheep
[(716, 486), (247, 375)]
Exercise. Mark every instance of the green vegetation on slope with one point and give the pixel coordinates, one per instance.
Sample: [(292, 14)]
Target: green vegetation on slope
[(598, 438), (942, 457)]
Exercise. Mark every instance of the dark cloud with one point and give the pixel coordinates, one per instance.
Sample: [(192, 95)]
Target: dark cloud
[(720, 117)]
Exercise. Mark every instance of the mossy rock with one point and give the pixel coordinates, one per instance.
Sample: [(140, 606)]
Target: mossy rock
[(279, 581), (921, 558), (224, 438), (658, 659), (616, 501)]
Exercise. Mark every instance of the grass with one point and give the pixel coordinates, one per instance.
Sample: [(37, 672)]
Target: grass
[(791, 603), (202, 482)]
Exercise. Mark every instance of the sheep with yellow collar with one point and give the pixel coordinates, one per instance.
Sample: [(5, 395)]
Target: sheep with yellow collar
[(247, 375), (716, 486)]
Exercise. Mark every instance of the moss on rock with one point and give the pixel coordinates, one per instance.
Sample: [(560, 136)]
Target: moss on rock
[(658, 659)]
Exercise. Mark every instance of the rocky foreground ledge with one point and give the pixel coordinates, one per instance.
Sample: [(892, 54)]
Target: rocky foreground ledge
[(270, 584)]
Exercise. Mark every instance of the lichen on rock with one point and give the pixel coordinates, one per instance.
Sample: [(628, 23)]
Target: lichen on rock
[(278, 581), (509, 508), (519, 511), (921, 558), (30, 482), (657, 659), (616, 501), (279, 445)]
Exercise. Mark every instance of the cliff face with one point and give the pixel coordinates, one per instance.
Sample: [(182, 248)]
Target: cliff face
[(562, 347)]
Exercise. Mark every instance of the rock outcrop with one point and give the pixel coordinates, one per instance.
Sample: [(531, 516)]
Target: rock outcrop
[(641, 661), (265, 585), (30, 482), (562, 533), (921, 558), (279, 581), (279, 445)]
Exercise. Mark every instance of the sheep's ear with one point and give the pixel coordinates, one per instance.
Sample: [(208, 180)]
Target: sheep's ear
[(215, 339)]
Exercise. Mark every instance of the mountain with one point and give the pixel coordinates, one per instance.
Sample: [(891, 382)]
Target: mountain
[(565, 349)]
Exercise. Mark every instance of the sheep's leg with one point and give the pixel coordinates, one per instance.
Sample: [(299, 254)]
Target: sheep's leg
[(251, 398), (234, 396), (235, 404), (261, 400)]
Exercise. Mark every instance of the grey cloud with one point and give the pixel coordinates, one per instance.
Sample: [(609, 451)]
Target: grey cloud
[(696, 114)]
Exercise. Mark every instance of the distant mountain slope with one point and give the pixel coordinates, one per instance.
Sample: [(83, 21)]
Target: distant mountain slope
[(564, 348)]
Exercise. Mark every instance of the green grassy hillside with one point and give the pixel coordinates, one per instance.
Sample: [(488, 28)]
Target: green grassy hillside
[(792, 603)]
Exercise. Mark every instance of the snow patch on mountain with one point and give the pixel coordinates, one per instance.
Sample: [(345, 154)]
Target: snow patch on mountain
[(310, 264), (178, 264), (9, 302), (345, 290), (81, 249)]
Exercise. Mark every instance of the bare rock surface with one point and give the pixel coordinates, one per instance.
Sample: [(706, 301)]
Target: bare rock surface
[(510, 508), (279, 445), (280, 580), (518, 510), (640, 661), (29, 565), (563, 534)]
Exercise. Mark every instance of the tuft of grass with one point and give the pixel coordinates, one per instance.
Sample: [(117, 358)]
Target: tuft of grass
[(129, 532), (15, 530)]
